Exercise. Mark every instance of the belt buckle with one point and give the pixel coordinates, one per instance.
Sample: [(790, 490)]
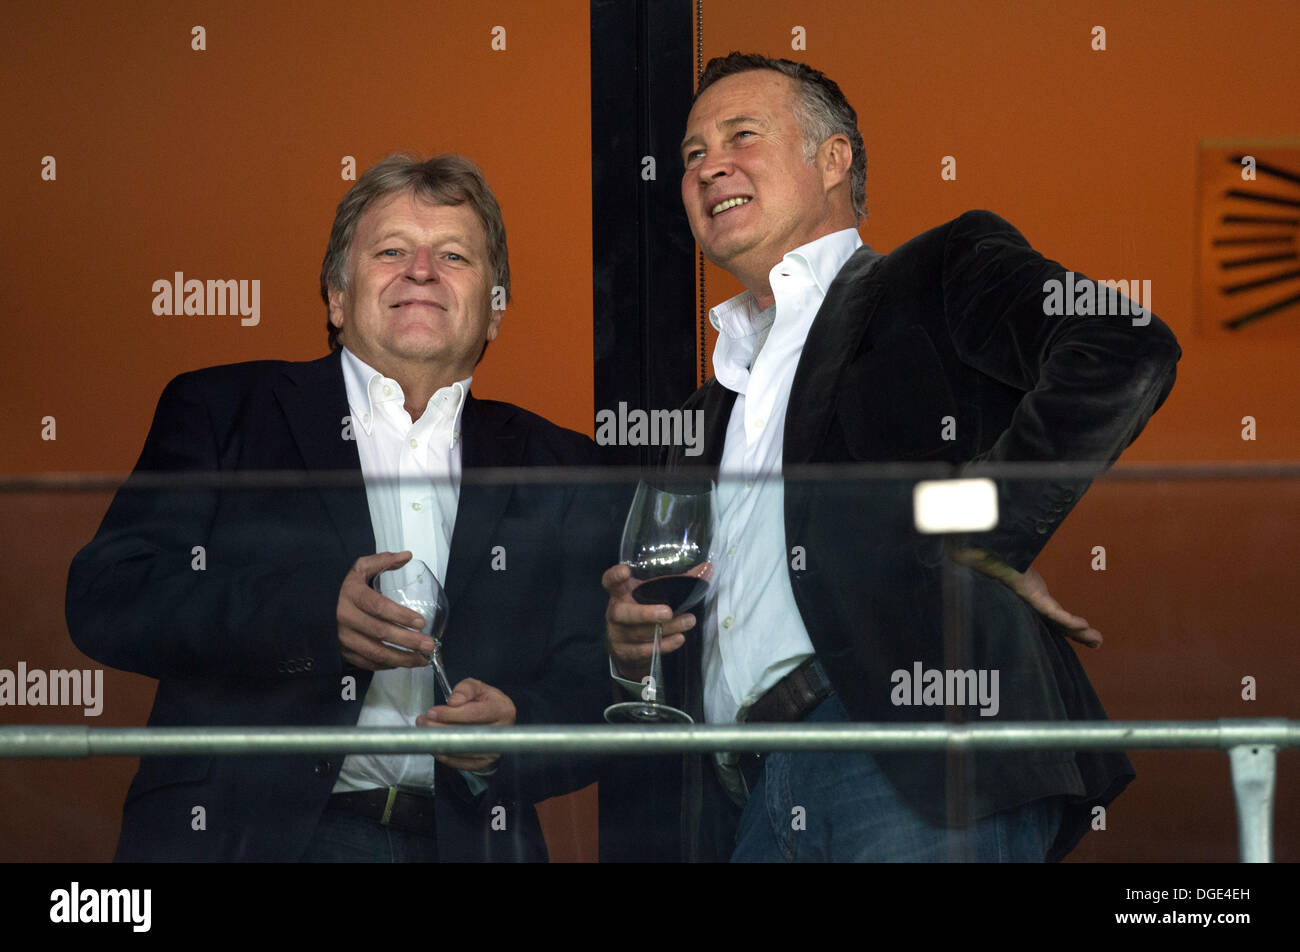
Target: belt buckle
[(388, 807), (732, 780)]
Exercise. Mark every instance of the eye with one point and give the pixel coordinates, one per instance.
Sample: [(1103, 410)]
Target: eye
[(390, 253), (455, 256), (743, 133)]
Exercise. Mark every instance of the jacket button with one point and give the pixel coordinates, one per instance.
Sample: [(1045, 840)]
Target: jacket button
[(1042, 528), (324, 768), (306, 665)]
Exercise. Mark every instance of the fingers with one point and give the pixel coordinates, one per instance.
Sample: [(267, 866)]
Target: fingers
[(1071, 626), (360, 651), (474, 763), (616, 578), (364, 610), (630, 613), (1032, 587), (639, 646), (366, 619), (630, 626), (471, 702), (368, 566), (1085, 635)]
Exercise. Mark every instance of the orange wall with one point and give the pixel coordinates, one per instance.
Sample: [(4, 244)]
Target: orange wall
[(226, 164)]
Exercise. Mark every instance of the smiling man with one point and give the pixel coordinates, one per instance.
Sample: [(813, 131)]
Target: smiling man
[(834, 353), (278, 623)]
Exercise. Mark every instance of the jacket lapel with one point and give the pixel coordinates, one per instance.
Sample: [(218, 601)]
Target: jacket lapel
[(486, 441), (832, 341), (315, 405)]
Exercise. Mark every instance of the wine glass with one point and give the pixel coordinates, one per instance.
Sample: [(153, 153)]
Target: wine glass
[(414, 586), (666, 541)]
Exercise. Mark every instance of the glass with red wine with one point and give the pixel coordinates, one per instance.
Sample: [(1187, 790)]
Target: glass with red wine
[(666, 544)]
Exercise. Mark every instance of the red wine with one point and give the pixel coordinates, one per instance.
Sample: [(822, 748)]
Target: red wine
[(678, 592)]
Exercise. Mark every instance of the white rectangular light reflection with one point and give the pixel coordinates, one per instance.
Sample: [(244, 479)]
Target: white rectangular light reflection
[(955, 505)]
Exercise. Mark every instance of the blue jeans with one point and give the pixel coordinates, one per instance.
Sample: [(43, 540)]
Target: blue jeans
[(840, 807), (345, 837)]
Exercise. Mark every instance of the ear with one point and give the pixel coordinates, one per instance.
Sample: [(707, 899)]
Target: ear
[(494, 323), (835, 158), (337, 298)]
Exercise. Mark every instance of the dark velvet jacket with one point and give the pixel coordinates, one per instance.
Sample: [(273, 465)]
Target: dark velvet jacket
[(947, 329), (252, 638)]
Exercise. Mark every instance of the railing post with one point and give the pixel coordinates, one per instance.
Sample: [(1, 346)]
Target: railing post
[(1254, 777)]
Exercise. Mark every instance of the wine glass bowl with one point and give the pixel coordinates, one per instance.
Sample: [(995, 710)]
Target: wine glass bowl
[(414, 586)]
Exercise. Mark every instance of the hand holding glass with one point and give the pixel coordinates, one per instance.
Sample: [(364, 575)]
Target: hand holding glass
[(414, 586), (666, 541)]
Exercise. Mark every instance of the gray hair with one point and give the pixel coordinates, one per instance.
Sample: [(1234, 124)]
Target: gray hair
[(441, 180)]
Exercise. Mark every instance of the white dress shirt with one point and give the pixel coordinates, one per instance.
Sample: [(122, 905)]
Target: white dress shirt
[(753, 633), (412, 476)]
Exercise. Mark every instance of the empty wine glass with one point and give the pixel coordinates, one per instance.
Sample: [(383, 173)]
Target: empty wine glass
[(414, 586)]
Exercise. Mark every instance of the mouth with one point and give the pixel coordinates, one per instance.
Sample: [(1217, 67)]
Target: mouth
[(418, 303), (728, 203)]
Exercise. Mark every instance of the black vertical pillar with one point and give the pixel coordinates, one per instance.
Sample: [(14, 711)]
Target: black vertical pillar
[(642, 78)]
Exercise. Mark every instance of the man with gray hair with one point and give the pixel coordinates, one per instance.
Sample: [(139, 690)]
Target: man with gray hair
[(823, 593), (282, 627)]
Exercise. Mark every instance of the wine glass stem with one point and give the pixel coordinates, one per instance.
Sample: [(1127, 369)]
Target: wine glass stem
[(440, 673), (656, 666)]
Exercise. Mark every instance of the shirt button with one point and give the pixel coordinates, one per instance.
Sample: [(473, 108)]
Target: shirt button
[(749, 484), (728, 621), (388, 391), (414, 443), (731, 550), (416, 506), (760, 422), (366, 418)]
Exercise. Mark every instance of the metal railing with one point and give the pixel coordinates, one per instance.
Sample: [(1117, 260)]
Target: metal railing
[(1252, 744)]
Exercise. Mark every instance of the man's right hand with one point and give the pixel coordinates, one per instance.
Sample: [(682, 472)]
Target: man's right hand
[(367, 619), (630, 626)]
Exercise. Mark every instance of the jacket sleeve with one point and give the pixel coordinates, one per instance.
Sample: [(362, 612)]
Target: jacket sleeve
[(1091, 382), (184, 580)]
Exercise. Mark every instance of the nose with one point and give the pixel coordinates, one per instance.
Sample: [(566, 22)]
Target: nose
[(421, 265), (713, 165)]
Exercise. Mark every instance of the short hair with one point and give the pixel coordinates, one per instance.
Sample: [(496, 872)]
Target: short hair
[(819, 107), (440, 180)]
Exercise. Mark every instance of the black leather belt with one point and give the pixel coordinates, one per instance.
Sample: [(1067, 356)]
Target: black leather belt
[(388, 806), (791, 699)]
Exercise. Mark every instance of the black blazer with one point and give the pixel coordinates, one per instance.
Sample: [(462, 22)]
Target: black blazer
[(950, 324), (251, 639)]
